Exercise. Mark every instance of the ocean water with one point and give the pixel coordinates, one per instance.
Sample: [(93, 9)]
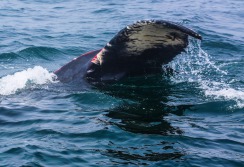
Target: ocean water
[(193, 118)]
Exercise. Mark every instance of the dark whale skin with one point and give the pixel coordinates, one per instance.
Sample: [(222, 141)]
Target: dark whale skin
[(138, 49)]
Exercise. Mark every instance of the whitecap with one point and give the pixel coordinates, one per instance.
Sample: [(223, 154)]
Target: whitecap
[(37, 75)]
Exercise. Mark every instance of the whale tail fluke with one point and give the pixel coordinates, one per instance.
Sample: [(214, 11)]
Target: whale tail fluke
[(143, 47), (138, 49)]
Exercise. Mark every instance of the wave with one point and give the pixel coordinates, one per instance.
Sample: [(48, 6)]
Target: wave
[(28, 78), (46, 53), (196, 66), (40, 52), (8, 56)]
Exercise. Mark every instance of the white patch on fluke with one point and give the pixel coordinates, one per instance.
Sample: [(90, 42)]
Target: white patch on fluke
[(19, 80)]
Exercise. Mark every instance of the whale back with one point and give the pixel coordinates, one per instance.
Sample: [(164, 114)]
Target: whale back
[(77, 68)]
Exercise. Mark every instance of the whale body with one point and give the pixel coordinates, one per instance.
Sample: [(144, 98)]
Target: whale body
[(138, 49)]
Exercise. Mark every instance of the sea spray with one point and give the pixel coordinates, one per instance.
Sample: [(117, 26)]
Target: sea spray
[(38, 75), (195, 65)]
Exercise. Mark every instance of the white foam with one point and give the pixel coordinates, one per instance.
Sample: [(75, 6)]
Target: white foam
[(223, 91), (196, 66), (38, 75)]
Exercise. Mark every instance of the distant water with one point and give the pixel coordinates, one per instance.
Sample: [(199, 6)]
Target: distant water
[(194, 118)]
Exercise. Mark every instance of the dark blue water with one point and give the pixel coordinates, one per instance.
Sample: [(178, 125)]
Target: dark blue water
[(194, 118)]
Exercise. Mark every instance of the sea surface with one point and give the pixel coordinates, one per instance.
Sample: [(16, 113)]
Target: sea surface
[(193, 118)]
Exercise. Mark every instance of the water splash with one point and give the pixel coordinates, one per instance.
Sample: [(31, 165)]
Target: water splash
[(196, 66), (38, 75)]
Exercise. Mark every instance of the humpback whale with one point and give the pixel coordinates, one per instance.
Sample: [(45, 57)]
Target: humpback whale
[(138, 49)]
